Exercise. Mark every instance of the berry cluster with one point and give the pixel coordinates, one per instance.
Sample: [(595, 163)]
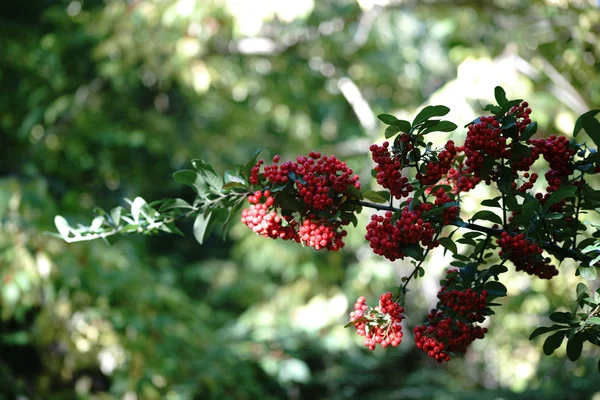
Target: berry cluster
[(526, 256), (442, 336), (379, 325), (450, 327), (389, 170), (317, 185), (264, 222), (387, 238), (320, 180), (436, 170)]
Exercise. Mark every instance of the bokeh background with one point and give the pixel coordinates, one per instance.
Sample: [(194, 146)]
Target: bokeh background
[(103, 100)]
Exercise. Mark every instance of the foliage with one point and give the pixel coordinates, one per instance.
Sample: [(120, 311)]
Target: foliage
[(102, 98)]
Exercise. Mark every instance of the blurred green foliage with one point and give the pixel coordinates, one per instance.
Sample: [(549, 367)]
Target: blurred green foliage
[(102, 100)]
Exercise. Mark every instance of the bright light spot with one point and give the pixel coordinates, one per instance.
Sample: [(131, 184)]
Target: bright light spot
[(83, 345), (564, 122), (185, 8), (159, 381), (108, 362), (74, 8), (36, 133), (256, 46), (200, 77), (188, 47), (239, 93), (44, 265)]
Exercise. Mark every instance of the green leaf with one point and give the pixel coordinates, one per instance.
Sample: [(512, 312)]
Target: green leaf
[(251, 163), (563, 318), (495, 289), (507, 106), (579, 122), (500, 96), (562, 193), (495, 202), (442, 126), (487, 216), (115, 215), (193, 179), (448, 244), (387, 118), (553, 342), (377, 197), (136, 208), (518, 152), (574, 346), (403, 125), (593, 321), (232, 177), (200, 226), (588, 273), (170, 204), (391, 131), (413, 251), (430, 111), (592, 127), (529, 131), (208, 173), (544, 329), (531, 208), (62, 226), (491, 108)]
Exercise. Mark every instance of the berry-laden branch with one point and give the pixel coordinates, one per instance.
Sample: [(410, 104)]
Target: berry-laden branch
[(313, 199)]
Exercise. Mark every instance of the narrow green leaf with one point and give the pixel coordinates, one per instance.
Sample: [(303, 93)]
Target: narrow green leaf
[(544, 329), (201, 225), (487, 216), (553, 342), (62, 226), (170, 204), (232, 177), (208, 173), (448, 244), (376, 197), (115, 215), (136, 208), (387, 118)]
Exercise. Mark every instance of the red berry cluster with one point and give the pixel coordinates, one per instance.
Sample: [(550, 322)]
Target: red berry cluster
[(526, 256), (321, 234), (389, 170), (442, 336), (320, 180), (319, 183), (449, 214), (264, 222), (436, 170), (450, 327), (559, 155), (381, 325), (387, 238)]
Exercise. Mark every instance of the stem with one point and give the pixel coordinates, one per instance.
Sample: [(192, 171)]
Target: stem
[(485, 244), (416, 269), (503, 202), (577, 209)]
